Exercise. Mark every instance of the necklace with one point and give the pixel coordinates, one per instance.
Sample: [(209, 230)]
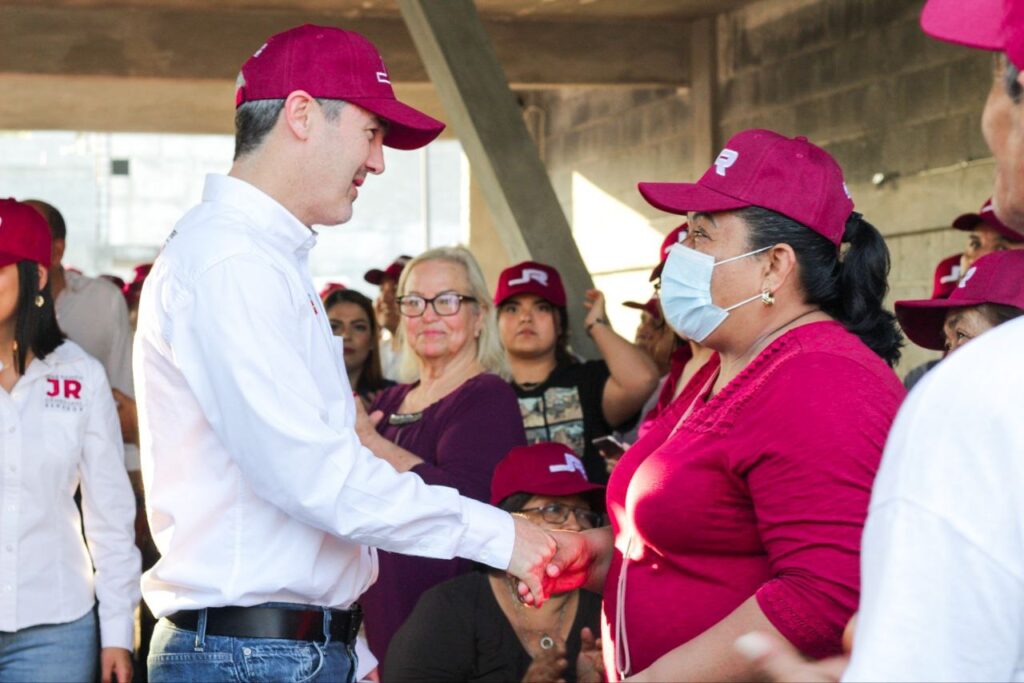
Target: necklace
[(546, 640)]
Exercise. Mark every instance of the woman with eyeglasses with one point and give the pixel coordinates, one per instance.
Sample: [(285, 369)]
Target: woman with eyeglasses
[(474, 628), (351, 316), (451, 426)]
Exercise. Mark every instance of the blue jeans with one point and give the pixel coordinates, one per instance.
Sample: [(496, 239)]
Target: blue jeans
[(51, 652), (179, 655)]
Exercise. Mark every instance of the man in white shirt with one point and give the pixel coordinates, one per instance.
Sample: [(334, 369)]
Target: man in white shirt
[(264, 505), (942, 595)]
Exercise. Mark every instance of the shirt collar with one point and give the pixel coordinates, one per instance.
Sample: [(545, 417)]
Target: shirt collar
[(275, 224)]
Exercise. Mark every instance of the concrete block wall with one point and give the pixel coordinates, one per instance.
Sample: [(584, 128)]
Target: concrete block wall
[(855, 76)]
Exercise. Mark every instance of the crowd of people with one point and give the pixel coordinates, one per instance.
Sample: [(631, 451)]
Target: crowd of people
[(433, 485)]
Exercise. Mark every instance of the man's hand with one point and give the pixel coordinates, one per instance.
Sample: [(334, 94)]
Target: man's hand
[(775, 659), (579, 555), (531, 560), (128, 415), (115, 665), (548, 666), (594, 304), (589, 663)]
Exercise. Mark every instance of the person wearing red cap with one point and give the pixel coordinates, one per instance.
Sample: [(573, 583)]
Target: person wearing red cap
[(474, 627), (388, 316), (941, 595), (987, 234), (990, 293), (60, 434), (742, 507), (265, 506), (560, 398)]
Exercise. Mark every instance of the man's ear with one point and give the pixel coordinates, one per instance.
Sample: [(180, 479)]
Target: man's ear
[(44, 276), (57, 252), (298, 113)]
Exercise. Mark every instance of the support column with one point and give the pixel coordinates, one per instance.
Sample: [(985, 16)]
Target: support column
[(485, 115), (704, 92)]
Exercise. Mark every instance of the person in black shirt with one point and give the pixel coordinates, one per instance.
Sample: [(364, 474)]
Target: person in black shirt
[(561, 398), (474, 628)]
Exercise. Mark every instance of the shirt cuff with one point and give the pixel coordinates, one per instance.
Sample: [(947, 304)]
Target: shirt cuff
[(489, 536), (118, 631), (132, 461)]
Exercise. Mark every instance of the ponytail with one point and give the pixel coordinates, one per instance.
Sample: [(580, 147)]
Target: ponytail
[(849, 285)]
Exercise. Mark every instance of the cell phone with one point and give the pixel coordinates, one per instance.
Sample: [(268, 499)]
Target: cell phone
[(609, 447)]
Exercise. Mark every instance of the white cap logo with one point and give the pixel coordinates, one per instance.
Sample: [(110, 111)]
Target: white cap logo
[(726, 158), (571, 463), (967, 276), (530, 274), (382, 75), (952, 276), (847, 191), (260, 51)]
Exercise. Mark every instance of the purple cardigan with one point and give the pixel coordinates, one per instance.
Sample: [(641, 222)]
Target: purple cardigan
[(460, 438)]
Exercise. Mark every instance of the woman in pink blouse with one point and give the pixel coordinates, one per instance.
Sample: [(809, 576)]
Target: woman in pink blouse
[(742, 508)]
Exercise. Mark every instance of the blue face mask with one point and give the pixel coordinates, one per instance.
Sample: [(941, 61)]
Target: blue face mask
[(686, 292)]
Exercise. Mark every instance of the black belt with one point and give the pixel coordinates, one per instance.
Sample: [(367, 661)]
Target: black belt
[(272, 622)]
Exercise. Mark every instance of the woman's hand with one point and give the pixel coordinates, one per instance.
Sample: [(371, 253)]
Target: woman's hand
[(594, 304), (589, 663), (116, 665), (548, 666)]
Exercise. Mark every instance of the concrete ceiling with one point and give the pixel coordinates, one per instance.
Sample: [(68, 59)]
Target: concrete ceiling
[(546, 10)]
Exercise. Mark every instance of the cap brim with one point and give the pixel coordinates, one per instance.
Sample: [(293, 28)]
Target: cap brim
[(375, 276), (969, 221), (977, 24), (408, 128), (635, 304), (682, 198), (922, 319), (966, 221)]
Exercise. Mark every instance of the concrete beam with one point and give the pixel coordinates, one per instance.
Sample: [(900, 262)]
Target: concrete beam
[(487, 120), (144, 105), (704, 93), (211, 42)]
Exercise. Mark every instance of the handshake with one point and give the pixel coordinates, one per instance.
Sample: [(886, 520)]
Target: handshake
[(550, 562)]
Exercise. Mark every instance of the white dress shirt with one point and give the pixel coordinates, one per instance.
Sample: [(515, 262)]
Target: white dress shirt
[(92, 313), (59, 429), (258, 489), (942, 595)]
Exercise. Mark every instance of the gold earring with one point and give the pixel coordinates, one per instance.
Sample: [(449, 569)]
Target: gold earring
[(39, 301), (767, 298)]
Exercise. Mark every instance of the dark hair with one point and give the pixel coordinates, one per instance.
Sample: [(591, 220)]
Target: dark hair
[(849, 285), (372, 377), (514, 502), (1013, 87), (997, 314), (58, 228), (35, 327), (255, 119), (563, 356)]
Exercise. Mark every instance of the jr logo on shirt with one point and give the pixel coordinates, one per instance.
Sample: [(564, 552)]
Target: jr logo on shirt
[(64, 393)]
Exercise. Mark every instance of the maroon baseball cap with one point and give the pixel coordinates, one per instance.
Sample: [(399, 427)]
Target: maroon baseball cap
[(677, 235), (330, 288), (530, 277), (543, 469), (332, 63), (24, 234), (947, 275), (761, 168), (996, 25), (996, 278), (987, 215), (394, 271), (651, 306)]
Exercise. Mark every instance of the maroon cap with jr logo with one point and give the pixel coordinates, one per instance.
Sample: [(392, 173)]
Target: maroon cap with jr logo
[(530, 277), (543, 469), (24, 234), (332, 63)]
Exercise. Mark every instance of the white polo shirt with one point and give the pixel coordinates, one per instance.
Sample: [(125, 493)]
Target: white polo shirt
[(59, 429), (942, 562), (92, 313), (258, 489)]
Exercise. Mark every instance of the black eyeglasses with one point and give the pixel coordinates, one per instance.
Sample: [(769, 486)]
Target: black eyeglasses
[(557, 513), (446, 303)]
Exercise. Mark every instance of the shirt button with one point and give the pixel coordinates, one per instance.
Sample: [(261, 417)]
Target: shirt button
[(12, 429), (12, 468), (12, 508), (9, 548), (8, 588)]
